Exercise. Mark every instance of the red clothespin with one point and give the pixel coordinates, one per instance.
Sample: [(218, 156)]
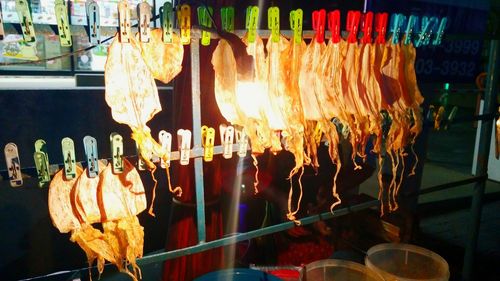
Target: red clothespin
[(319, 18), (353, 25), (367, 28), (334, 25), (381, 27)]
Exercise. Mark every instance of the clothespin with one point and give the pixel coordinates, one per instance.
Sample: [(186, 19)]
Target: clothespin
[(144, 17), (2, 32), (397, 22), (184, 17), (90, 146), (226, 139), (23, 12), (204, 19), (116, 142), (296, 22), (334, 25), (367, 28), (141, 165), (410, 28), (381, 27), (124, 21), (242, 140), (426, 31), (13, 164), (252, 19), (93, 18), (318, 23), (184, 143), (451, 117), (69, 160), (440, 32), (42, 162), (352, 25), (167, 21), (63, 23), (227, 18), (207, 141), (318, 133), (165, 139), (273, 23)]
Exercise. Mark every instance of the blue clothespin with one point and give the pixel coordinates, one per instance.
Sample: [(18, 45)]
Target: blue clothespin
[(428, 26), (440, 31), (410, 29), (396, 23), (90, 145)]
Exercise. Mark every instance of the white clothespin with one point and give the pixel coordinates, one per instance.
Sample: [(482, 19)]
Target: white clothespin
[(13, 165), (184, 142), (94, 18), (226, 139), (124, 21), (116, 142), (165, 139), (90, 146), (242, 140), (144, 17), (68, 151)]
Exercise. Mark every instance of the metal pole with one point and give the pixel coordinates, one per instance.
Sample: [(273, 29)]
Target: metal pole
[(482, 159), (198, 161)]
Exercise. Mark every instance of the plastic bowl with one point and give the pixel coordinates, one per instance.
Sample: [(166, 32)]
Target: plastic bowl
[(406, 262), (331, 269), (238, 274)]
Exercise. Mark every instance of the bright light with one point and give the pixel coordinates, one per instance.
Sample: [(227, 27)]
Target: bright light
[(250, 97)]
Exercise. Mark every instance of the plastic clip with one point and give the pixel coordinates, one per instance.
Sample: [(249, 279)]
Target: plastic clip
[(167, 22), (184, 17), (207, 140), (13, 164), (42, 162), (204, 19), (397, 23), (318, 133), (410, 29), (184, 142), (426, 31), (226, 139), (141, 165), (440, 32), (94, 24), (63, 23), (367, 28), (2, 31), (165, 139), (242, 140), (352, 25), (124, 21), (69, 160), (116, 143), (296, 23), (318, 24), (252, 18), (227, 18), (23, 12), (144, 18), (273, 23), (90, 146), (381, 27), (334, 25)]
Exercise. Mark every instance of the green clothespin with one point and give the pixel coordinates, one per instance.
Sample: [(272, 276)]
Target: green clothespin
[(440, 31), (63, 23), (296, 20), (204, 19), (273, 23), (412, 21), (252, 18), (42, 162), (227, 18), (116, 142), (68, 151), (23, 12), (167, 22)]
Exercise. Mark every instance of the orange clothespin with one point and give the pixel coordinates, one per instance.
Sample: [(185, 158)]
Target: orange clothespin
[(352, 25), (381, 27), (319, 18), (334, 25), (367, 28)]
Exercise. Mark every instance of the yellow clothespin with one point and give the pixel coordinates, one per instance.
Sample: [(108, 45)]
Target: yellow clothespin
[(116, 142), (23, 12), (184, 142), (144, 12), (204, 19), (69, 159), (318, 134), (252, 19), (242, 140), (42, 162), (207, 140), (13, 165), (63, 23), (184, 17), (226, 139), (273, 22), (165, 139), (296, 19), (124, 21)]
